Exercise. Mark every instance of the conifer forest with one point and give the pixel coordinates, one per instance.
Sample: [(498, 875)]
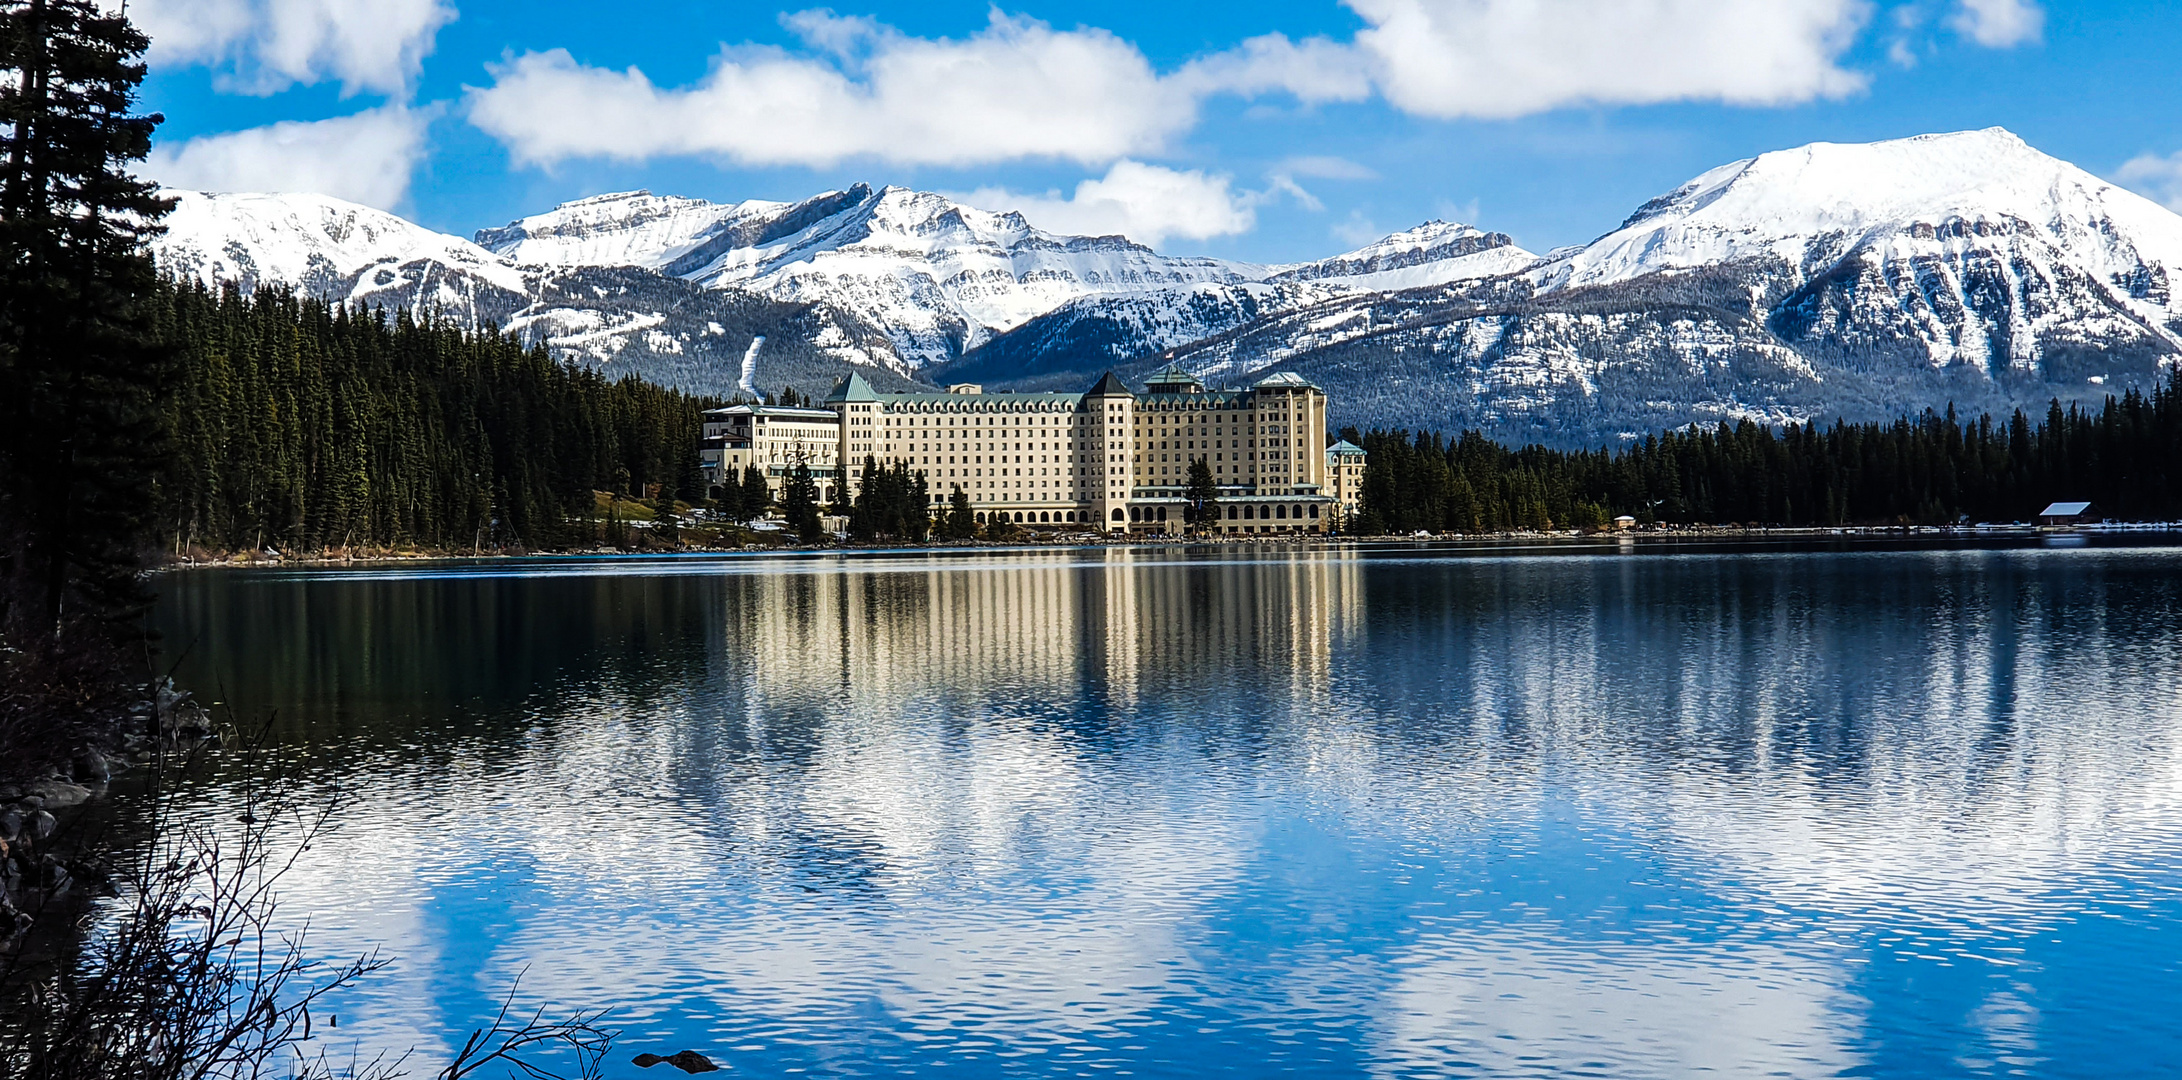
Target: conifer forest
[(1933, 469), (295, 424)]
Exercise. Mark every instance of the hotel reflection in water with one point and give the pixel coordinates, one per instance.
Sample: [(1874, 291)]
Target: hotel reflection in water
[(1115, 619)]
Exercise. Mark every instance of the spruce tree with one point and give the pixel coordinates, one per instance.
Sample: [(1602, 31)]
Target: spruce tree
[(799, 503), (1203, 495), (80, 369), (961, 520), (757, 495)]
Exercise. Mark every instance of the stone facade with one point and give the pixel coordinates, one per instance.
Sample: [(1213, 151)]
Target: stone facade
[(1108, 459)]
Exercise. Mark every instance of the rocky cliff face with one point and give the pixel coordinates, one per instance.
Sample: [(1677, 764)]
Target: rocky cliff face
[(1854, 281), (1823, 282)]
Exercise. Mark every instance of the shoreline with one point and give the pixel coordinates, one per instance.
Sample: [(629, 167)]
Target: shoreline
[(258, 560)]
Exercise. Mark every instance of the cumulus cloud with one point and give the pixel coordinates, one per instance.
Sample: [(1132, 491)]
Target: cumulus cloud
[(1017, 89), (1021, 89), (368, 157), (2000, 24), (1507, 58), (1146, 203), (1314, 70), (2154, 177), (270, 45)]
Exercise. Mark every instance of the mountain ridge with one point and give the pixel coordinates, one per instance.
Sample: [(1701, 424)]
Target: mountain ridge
[(1821, 281)]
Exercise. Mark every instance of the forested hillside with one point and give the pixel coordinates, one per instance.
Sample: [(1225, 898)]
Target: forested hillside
[(296, 424), (1932, 469)]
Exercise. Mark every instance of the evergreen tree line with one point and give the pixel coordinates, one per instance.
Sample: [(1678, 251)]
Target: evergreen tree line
[(299, 424), (1933, 469), (892, 503)]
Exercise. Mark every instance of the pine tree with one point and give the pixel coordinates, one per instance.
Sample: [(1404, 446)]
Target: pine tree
[(80, 369), (757, 495), (1203, 496), (727, 501), (799, 503), (961, 521)]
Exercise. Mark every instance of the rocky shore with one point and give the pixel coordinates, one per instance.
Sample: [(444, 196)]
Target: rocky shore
[(42, 865), (1089, 539)]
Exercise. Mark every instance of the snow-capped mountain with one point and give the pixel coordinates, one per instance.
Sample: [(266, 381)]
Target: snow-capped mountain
[(1434, 253), (329, 248), (625, 318), (938, 277), (1086, 336), (1972, 245), (1828, 281)]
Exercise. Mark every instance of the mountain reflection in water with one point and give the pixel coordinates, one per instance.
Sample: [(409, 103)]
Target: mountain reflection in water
[(1617, 811)]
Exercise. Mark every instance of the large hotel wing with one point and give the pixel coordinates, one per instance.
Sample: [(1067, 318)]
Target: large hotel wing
[(1108, 459)]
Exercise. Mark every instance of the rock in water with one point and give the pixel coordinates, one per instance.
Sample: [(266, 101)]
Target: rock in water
[(689, 1061)]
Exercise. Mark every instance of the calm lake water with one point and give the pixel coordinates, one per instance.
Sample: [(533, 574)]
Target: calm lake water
[(1618, 811)]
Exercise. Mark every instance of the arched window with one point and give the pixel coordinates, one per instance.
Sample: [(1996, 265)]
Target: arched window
[(1231, 513), (1117, 513), (1044, 517), (981, 518), (1019, 515), (1162, 513), (1314, 512), (1298, 512), (1280, 512), (1135, 514)]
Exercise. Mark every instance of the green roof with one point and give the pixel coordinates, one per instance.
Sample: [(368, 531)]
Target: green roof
[(853, 388)]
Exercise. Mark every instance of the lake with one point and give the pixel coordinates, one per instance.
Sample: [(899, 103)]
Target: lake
[(1617, 810)]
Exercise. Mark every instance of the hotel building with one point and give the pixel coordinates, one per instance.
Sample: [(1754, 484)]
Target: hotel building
[(1107, 459)]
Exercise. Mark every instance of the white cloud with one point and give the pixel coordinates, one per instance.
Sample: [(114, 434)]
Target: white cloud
[(1327, 168), (270, 45), (1358, 230), (1017, 89), (2000, 24), (2157, 178), (367, 157), (1146, 203), (1507, 58), (1317, 69)]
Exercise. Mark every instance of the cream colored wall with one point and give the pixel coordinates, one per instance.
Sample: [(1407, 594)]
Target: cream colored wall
[(1087, 455)]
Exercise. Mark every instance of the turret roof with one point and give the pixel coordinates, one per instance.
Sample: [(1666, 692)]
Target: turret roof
[(853, 388), (1110, 386)]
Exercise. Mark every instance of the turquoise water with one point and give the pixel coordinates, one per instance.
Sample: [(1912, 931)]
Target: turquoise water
[(1614, 810)]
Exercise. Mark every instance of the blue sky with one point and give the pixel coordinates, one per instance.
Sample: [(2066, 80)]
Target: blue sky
[(1270, 131)]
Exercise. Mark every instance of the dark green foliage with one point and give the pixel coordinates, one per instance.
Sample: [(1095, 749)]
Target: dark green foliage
[(1203, 494), (1930, 470), (799, 503), (727, 500), (757, 495), (891, 503), (960, 521), (80, 369), (304, 426)]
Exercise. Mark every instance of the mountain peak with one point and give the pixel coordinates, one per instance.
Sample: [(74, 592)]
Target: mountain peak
[(1823, 199), (1434, 253)]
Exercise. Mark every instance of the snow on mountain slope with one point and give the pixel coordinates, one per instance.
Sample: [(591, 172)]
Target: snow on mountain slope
[(635, 228), (619, 317), (319, 244), (1434, 253), (1827, 281), (939, 276), (1089, 334), (1811, 205), (1986, 251)]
